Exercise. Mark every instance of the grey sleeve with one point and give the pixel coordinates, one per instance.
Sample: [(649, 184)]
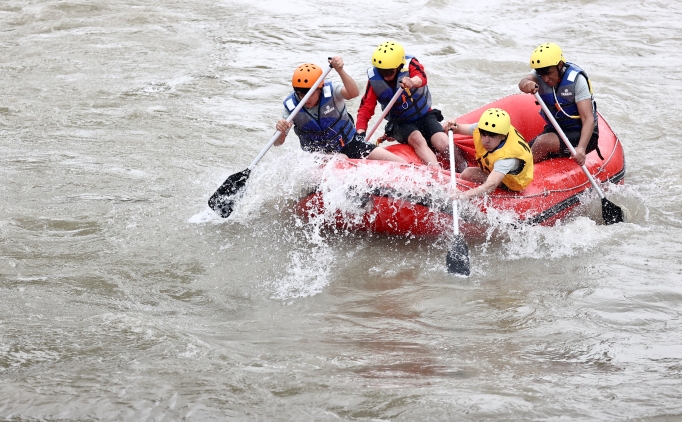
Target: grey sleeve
[(506, 165), (582, 90), (339, 101)]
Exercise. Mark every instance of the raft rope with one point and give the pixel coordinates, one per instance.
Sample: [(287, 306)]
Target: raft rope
[(546, 192)]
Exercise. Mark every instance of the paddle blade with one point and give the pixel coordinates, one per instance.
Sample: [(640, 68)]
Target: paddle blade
[(458, 257), (222, 201), (610, 212)]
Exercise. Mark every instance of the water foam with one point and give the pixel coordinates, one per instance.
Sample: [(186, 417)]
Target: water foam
[(345, 189)]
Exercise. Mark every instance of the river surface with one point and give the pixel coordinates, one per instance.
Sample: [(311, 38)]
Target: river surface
[(124, 297)]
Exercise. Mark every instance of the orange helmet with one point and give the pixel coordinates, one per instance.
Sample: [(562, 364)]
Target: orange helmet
[(305, 76)]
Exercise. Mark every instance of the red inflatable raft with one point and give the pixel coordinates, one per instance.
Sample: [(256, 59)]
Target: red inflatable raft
[(414, 199)]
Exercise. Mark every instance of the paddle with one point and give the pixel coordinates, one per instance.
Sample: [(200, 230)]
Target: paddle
[(383, 114), (223, 200), (458, 252), (610, 212)]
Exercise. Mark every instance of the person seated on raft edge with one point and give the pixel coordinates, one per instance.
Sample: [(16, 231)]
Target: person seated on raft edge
[(502, 154), (324, 125), (411, 120), (576, 110)]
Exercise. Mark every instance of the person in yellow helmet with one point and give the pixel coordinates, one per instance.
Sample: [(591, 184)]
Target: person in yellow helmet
[(323, 124), (565, 88), (411, 120), (503, 156)]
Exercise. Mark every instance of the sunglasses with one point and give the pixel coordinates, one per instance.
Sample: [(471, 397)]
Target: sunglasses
[(488, 134)]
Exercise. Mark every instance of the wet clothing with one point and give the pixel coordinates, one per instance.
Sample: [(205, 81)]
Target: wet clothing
[(326, 127), (574, 138), (428, 126), (410, 106), (409, 113), (357, 148), (562, 101), (514, 147), (405, 108), (504, 165)]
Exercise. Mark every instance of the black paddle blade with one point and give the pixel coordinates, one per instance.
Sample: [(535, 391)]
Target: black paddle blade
[(610, 212), (458, 257), (222, 201)]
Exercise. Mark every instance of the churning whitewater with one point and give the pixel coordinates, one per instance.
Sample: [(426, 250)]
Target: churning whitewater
[(123, 296)]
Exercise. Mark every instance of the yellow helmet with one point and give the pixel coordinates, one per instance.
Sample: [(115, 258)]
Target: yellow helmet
[(388, 55), (546, 55), (495, 120), (305, 76)]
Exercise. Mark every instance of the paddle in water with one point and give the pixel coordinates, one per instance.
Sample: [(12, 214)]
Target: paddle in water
[(223, 200), (610, 212), (458, 251)]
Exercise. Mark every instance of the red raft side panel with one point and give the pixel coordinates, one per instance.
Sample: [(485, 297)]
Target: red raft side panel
[(385, 215), (550, 197), (387, 212)]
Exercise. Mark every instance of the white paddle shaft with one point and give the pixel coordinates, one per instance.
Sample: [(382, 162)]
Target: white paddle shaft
[(293, 114), (563, 137), (453, 177), (370, 132)]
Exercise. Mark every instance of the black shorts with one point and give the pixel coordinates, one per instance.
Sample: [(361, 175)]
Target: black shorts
[(574, 138), (428, 126), (357, 148)]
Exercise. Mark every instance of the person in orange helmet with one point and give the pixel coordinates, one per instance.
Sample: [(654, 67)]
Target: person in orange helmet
[(323, 124)]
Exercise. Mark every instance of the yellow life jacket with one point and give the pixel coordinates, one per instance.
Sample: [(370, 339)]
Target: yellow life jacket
[(514, 147)]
